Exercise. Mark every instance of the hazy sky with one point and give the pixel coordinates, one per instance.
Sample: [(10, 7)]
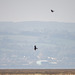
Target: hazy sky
[(37, 10)]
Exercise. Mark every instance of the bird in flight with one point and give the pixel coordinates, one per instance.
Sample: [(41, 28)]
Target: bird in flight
[(52, 10), (35, 47)]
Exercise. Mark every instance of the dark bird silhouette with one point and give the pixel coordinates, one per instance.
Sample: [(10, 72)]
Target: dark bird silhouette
[(52, 10), (35, 47)]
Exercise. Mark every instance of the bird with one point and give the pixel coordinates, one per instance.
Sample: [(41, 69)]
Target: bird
[(52, 10), (35, 47)]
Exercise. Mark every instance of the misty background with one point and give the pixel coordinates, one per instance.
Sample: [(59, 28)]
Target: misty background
[(55, 42)]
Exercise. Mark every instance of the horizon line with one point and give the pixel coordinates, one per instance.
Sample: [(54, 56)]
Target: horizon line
[(36, 21)]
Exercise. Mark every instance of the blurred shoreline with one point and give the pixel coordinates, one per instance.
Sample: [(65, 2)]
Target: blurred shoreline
[(37, 71)]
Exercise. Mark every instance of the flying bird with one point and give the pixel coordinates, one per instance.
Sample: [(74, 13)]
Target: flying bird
[(35, 47), (52, 10)]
